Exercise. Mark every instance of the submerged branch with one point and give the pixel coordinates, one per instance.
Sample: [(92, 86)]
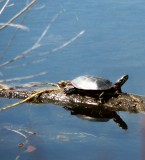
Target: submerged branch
[(20, 132)]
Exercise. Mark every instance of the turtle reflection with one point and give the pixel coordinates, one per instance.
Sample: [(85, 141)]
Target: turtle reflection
[(97, 114)]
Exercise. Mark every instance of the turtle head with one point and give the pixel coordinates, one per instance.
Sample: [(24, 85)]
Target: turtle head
[(122, 80)]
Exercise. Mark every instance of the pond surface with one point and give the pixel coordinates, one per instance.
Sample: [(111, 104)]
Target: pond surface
[(95, 37)]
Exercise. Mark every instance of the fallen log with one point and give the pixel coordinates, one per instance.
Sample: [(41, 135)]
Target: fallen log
[(84, 107), (56, 95)]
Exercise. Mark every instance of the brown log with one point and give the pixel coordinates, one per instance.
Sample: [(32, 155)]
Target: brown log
[(82, 106), (123, 102)]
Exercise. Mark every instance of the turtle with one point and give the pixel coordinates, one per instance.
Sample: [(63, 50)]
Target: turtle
[(95, 86)]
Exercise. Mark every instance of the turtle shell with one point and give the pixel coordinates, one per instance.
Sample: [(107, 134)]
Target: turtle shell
[(91, 83)]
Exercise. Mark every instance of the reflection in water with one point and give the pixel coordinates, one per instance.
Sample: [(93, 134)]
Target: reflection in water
[(97, 114), (143, 137)]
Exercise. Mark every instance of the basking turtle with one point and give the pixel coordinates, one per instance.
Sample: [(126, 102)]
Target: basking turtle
[(95, 86)]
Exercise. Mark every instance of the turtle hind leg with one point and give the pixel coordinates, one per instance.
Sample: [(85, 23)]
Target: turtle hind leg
[(102, 97), (69, 90)]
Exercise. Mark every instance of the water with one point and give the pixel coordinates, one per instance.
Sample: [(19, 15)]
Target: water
[(112, 45)]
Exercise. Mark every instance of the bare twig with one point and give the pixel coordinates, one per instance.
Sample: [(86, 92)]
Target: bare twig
[(18, 14), (23, 101), (69, 41), (21, 134), (23, 78), (59, 47), (26, 64), (13, 36), (46, 30), (4, 6), (35, 46), (28, 131), (16, 131), (47, 52), (19, 26)]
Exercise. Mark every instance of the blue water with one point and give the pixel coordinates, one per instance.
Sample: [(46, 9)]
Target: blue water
[(112, 44)]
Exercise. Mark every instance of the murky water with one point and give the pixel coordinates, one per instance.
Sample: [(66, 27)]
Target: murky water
[(112, 44)]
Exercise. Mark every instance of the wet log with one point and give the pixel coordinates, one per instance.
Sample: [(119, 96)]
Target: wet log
[(123, 102)]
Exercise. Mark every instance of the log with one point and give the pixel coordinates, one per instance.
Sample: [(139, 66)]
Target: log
[(123, 102), (85, 107)]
